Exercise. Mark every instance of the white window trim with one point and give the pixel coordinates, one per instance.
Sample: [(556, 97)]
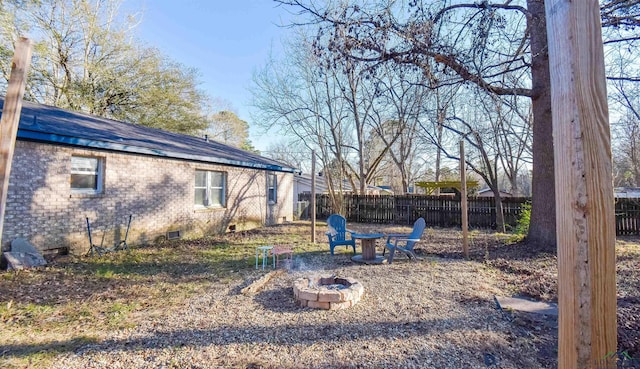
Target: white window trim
[(208, 189), (99, 177), (275, 188)]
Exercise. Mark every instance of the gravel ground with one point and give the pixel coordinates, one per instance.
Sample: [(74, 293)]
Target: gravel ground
[(437, 312), (430, 313)]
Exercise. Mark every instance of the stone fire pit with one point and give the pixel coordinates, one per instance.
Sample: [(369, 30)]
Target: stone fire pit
[(327, 292)]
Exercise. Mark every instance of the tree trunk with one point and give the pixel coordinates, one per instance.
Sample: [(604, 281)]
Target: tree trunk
[(542, 230), (439, 128), (500, 227), (513, 182)]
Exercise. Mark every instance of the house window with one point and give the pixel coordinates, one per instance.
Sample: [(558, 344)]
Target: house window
[(86, 174), (272, 187), (210, 189)]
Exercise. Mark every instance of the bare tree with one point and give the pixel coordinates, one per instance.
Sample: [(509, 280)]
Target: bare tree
[(401, 96), (470, 122), (361, 96), (298, 97), (291, 152), (626, 163), (437, 106), (510, 120), (474, 42), (341, 110), (482, 43), (623, 69)]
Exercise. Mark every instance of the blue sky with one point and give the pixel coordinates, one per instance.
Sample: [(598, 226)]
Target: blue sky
[(226, 40)]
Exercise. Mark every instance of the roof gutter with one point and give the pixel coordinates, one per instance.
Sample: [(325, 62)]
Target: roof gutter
[(104, 145)]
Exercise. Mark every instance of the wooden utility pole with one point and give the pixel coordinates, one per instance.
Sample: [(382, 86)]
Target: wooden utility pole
[(11, 117), (313, 196), (463, 202), (584, 186)]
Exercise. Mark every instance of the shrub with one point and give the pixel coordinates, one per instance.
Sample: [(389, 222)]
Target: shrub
[(522, 226)]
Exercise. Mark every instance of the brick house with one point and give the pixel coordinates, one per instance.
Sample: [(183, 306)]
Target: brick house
[(69, 166)]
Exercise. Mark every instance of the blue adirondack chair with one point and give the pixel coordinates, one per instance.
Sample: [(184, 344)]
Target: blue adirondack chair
[(337, 233), (404, 242)]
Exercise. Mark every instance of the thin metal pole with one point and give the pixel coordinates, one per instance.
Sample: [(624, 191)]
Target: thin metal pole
[(313, 196)]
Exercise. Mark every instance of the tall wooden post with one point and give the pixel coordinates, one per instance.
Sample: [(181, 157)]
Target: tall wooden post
[(11, 117), (584, 185), (313, 196), (463, 202)]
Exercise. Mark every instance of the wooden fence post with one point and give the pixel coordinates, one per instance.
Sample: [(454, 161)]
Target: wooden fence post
[(584, 187), (312, 205), (463, 202), (11, 117)]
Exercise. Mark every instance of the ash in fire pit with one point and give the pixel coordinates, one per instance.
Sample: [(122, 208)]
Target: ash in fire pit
[(327, 292)]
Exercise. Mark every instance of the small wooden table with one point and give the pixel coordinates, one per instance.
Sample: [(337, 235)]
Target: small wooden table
[(368, 243)]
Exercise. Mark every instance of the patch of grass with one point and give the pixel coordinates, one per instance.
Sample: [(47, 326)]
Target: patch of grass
[(628, 248), (84, 311), (8, 276), (118, 313), (41, 358), (225, 258), (514, 238), (28, 313), (105, 272), (37, 311), (6, 310), (42, 354)]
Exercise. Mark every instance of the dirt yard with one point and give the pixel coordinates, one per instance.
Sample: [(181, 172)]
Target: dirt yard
[(179, 305)]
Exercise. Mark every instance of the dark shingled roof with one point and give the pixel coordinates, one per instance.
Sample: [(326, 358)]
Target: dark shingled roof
[(49, 124)]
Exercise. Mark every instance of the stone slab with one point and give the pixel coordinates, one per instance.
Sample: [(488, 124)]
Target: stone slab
[(340, 305), (319, 305), (330, 296), (23, 260), (308, 294), (22, 245), (521, 304)]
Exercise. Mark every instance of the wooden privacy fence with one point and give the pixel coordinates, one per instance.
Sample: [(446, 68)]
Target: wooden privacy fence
[(627, 216), (440, 211)]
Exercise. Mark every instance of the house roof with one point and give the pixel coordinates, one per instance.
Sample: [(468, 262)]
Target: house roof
[(626, 192), (304, 179), (49, 124), (321, 184), (487, 190)]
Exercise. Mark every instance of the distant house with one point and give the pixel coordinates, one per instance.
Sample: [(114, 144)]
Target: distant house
[(381, 190), (302, 184), (487, 192), (69, 166), (627, 192)]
